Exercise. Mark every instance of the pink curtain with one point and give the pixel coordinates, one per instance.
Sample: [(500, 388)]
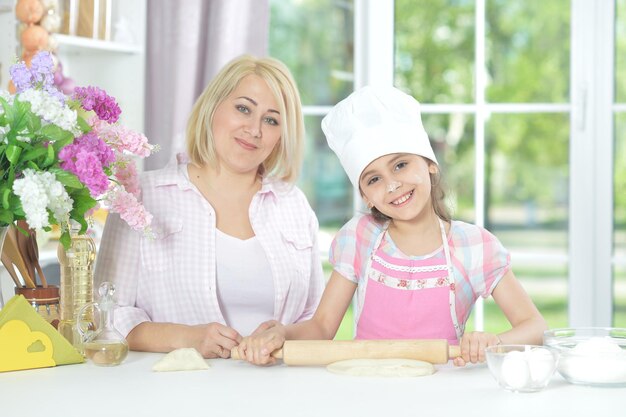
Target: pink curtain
[(187, 43)]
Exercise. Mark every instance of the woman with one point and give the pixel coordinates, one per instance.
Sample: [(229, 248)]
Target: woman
[(235, 242)]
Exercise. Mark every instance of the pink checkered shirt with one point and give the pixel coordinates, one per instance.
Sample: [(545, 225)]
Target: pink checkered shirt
[(171, 277)]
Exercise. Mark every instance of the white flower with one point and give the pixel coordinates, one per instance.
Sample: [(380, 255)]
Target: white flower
[(59, 200), (38, 191), (50, 109), (34, 199)]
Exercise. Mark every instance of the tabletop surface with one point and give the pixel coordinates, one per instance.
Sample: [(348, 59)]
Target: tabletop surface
[(236, 388)]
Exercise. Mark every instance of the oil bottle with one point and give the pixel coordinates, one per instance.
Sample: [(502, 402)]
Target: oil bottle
[(76, 287)]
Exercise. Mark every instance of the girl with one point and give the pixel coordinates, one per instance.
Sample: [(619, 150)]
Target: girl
[(417, 273)]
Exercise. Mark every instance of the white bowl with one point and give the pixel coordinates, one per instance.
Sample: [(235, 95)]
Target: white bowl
[(521, 368), (590, 355)]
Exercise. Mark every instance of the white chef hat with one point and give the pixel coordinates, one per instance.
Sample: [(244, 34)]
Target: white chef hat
[(373, 122)]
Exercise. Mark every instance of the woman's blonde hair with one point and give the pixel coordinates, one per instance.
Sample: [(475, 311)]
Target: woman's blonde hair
[(285, 160)]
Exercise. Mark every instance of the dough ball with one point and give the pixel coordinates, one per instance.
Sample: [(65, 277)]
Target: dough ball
[(382, 367), (185, 359)]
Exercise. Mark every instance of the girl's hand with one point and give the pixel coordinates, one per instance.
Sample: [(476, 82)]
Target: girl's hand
[(473, 346), (257, 347)]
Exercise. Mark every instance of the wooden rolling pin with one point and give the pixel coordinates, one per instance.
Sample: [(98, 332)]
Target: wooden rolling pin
[(323, 352)]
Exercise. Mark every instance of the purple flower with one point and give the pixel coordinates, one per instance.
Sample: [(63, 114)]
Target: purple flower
[(42, 67), (86, 158), (22, 77), (90, 143), (39, 75), (90, 173), (93, 98)]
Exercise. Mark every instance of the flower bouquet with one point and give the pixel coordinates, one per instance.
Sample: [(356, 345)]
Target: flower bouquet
[(60, 157)]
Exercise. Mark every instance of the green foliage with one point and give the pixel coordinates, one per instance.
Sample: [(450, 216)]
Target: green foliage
[(314, 39), (527, 61), (434, 50)]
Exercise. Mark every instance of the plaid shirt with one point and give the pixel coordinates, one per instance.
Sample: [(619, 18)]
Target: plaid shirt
[(171, 277), (478, 258)]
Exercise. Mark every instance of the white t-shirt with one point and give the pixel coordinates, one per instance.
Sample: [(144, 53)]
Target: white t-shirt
[(245, 286)]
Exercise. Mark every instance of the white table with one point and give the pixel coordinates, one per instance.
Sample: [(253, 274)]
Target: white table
[(232, 388)]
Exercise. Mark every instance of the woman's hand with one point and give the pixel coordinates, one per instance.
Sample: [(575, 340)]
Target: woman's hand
[(214, 340), (257, 347), (473, 346)]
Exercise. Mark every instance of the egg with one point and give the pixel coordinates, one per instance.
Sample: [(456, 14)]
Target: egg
[(541, 364), (29, 11), (515, 372), (34, 38)]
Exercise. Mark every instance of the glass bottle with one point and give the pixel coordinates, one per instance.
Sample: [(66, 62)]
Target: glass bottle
[(76, 288), (104, 345)]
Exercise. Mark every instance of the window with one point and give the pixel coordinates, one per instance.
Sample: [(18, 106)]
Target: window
[(524, 107), (619, 289), (315, 40)]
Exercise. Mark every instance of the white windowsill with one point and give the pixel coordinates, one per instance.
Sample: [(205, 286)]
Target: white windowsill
[(79, 44)]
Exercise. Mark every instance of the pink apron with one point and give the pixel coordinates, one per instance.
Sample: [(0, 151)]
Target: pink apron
[(408, 299)]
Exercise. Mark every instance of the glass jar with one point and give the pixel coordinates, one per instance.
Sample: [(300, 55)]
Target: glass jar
[(44, 300), (77, 267)]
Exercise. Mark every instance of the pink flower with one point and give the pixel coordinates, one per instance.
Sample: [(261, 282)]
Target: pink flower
[(87, 157), (126, 174), (129, 209), (90, 172), (96, 99), (121, 138)]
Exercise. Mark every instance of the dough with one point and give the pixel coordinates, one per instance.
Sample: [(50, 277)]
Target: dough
[(185, 359), (382, 367)]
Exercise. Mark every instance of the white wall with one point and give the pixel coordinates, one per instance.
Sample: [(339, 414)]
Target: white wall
[(8, 42)]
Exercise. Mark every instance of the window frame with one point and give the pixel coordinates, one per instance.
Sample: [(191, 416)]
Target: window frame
[(591, 108)]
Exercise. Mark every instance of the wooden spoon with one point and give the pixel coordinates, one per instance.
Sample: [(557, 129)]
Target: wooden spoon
[(23, 245), (11, 249), (33, 250), (9, 267)]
